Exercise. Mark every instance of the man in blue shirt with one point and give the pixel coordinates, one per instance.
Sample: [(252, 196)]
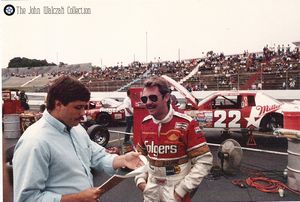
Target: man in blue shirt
[(53, 158)]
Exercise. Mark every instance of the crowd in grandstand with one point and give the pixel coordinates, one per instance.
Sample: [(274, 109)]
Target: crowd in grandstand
[(224, 67), (224, 71)]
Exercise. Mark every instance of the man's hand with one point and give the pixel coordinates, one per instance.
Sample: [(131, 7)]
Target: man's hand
[(92, 194), (88, 195), (132, 160), (142, 186)]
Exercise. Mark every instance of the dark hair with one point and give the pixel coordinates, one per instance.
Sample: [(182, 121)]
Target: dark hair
[(159, 82), (66, 89), (42, 107)]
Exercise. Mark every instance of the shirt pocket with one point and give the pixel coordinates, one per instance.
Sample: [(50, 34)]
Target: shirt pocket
[(85, 155)]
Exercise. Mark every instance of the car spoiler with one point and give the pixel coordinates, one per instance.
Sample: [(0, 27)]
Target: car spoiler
[(182, 90)]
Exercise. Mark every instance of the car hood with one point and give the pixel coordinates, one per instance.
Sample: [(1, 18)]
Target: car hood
[(183, 91)]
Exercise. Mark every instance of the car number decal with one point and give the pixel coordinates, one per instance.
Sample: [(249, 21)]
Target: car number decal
[(222, 115)]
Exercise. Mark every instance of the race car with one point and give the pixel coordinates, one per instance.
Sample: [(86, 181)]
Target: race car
[(236, 110), (105, 111)]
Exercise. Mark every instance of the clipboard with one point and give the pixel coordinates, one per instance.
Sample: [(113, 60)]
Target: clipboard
[(110, 183)]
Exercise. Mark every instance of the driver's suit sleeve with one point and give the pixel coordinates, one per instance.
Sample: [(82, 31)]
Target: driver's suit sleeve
[(201, 159)]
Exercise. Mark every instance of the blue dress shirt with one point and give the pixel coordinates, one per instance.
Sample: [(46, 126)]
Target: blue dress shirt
[(50, 161)]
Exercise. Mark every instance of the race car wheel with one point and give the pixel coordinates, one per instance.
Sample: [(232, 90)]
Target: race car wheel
[(10, 154), (270, 122), (88, 124), (8, 160), (225, 134), (103, 119), (99, 134)]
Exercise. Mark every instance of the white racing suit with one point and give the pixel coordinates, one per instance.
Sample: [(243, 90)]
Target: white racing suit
[(178, 155)]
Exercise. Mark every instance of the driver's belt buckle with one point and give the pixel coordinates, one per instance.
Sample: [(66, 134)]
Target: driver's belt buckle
[(172, 170)]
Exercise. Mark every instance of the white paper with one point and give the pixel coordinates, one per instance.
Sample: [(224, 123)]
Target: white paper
[(116, 179)]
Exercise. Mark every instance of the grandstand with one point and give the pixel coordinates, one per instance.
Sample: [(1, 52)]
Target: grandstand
[(37, 79), (265, 70)]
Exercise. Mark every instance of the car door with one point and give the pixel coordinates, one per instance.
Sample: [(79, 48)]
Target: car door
[(226, 111)]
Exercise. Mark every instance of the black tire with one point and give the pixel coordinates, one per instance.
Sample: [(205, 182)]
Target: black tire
[(225, 134), (88, 124), (244, 132), (8, 164), (10, 154), (103, 119), (99, 134), (270, 122)]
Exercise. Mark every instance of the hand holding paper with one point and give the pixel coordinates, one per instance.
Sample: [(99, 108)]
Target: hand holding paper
[(133, 160), (116, 179)]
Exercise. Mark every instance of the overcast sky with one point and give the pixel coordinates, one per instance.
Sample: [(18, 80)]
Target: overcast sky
[(115, 31)]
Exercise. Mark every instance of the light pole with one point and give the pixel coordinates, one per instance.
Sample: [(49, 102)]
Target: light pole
[(218, 81), (261, 70), (57, 58), (146, 47), (238, 79), (286, 78)]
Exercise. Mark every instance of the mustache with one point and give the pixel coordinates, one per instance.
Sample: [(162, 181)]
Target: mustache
[(150, 106)]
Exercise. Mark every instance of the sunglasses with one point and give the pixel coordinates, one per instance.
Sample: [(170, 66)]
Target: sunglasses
[(153, 98)]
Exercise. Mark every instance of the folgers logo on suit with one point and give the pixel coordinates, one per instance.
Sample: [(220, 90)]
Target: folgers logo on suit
[(160, 149)]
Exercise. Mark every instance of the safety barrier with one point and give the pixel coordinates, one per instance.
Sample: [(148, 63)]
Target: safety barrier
[(11, 124)]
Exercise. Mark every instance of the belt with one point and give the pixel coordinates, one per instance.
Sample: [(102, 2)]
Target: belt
[(160, 181), (165, 163)]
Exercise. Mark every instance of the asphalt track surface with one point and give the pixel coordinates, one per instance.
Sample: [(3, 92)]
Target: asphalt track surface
[(215, 187), (220, 188)]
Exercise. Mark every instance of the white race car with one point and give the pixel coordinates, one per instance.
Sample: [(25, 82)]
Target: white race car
[(105, 111), (241, 110), (236, 110)]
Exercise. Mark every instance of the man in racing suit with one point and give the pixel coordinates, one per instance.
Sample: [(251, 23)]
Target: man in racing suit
[(178, 155)]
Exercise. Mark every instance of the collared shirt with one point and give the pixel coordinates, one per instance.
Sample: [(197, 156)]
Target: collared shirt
[(50, 161), (127, 104)]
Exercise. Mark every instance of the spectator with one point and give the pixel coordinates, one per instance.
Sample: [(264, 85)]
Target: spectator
[(259, 86), (175, 104), (128, 116), (41, 111), (284, 85), (54, 156), (42, 108), (23, 99), (292, 83)]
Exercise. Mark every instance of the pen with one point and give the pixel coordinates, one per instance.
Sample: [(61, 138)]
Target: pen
[(142, 157), (133, 147)]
